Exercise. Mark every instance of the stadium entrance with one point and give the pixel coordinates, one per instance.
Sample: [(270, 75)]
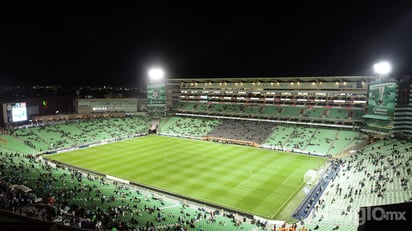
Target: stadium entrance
[(153, 128)]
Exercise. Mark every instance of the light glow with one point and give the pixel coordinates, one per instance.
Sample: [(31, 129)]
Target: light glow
[(156, 73), (382, 68)]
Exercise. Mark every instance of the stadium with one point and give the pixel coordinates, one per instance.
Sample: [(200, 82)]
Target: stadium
[(258, 153)]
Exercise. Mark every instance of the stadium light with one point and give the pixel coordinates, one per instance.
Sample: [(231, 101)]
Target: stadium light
[(382, 68), (156, 73)]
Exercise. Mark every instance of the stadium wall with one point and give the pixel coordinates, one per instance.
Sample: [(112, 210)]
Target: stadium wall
[(104, 105), (403, 109), (332, 100)]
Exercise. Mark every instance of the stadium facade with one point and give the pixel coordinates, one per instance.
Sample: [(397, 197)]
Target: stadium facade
[(380, 108)]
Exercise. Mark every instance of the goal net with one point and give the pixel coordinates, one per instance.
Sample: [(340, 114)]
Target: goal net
[(310, 176)]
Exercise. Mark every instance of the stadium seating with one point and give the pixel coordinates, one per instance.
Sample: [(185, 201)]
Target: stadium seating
[(187, 127), (311, 140), (11, 144), (242, 130), (322, 141), (271, 111), (344, 139), (201, 107), (377, 175), (353, 186), (85, 200), (68, 134)]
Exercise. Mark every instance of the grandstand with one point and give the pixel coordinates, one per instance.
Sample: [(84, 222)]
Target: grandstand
[(357, 124), (327, 101)]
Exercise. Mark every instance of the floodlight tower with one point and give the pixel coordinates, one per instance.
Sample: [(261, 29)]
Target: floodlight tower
[(156, 93), (382, 69)]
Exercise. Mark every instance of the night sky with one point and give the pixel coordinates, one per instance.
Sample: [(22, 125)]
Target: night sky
[(114, 44)]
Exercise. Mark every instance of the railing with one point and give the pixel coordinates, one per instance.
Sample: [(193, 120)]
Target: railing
[(314, 195), (230, 141)]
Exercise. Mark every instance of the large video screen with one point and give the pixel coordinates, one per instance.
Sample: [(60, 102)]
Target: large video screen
[(381, 100), (15, 112)]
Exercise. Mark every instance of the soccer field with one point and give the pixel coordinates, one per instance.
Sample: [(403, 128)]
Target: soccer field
[(247, 179)]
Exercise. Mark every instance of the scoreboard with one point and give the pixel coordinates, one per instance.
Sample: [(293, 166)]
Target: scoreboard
[(15, 112)]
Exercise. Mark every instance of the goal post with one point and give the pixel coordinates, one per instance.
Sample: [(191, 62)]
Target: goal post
[(310, 176)]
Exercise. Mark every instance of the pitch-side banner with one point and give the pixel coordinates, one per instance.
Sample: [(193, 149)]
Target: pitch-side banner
[(381, 100)]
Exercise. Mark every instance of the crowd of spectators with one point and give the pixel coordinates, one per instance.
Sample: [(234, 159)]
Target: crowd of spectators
[(34, 187), (66, 134), (73, 198), (190, 127), (253, 131), (379, 174)]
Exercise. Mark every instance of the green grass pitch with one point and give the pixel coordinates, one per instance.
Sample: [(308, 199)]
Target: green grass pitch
[(247, 179)]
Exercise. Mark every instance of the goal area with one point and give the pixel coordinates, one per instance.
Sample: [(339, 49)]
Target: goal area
[(310, 176)]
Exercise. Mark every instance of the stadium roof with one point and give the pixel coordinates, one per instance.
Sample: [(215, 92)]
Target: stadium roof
[(281, 79)]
